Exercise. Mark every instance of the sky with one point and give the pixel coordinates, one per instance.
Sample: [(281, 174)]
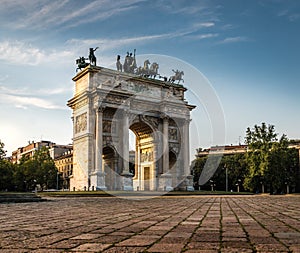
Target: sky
[(247, 51)]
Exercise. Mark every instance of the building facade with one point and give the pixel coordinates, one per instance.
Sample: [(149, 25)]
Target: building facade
[(64, 165), (106, 104), (29, 150)]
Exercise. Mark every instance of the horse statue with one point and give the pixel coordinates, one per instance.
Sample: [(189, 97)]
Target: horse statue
[(81, 63), (92, 56), (178, 76), (153, 70), (144, 70), (119, 64)]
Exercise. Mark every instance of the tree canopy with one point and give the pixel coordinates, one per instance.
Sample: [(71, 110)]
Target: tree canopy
[(269, 164), (29, 173), (270, 161)]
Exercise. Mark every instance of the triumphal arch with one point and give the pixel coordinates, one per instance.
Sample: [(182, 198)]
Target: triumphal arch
[(107, 104)]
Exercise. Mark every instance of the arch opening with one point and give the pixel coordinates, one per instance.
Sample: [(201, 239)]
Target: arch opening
[(144, 157)]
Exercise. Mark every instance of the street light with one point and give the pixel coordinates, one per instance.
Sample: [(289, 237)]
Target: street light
[(262, 187), (212, 185), (226, 177), (238, 185), (287, 188), (57, 174)]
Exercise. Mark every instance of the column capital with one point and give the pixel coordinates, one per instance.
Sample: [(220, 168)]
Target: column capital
[(100, 108), (164, 116)]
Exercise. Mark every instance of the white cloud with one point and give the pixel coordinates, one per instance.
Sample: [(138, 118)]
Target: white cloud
[(22, 98), (204, 24), (20, 53), (233, 40), (108, 44), (23, 102), (294, 17), (204, 36), (35, 14)]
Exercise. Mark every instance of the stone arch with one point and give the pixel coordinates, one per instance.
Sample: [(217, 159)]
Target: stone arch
[(106, 104), (110, 166), (145, 151)]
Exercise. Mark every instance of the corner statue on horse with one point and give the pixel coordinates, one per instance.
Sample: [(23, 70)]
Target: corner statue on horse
[(81, 63), (178, 76)]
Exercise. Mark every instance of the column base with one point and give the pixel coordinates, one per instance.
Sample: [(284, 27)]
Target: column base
[(98, 181), (165, 182), (127, 182), (187, 184)]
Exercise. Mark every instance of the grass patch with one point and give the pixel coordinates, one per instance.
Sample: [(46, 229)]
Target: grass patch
[(133, 193)]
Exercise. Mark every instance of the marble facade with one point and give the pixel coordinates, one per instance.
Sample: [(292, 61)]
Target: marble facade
[(106, 104)]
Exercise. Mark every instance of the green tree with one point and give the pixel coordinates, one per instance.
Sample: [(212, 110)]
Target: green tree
[(2, 151), (236, 168), (269, 160), (6, 170), (40, 170)]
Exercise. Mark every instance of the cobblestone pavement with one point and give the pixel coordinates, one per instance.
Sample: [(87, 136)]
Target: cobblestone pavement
[(164, 224)]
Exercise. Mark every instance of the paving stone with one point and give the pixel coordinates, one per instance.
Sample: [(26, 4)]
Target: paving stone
[(91, 247), (166, 247), (125, 250), (85, 236), (164, 224), (139, 241)]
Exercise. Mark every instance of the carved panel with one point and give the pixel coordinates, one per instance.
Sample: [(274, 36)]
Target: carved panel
[(81, 123), (173, 134), (114, 99), (142, 106), (153, 121), (109, 126), (147, 155), (107, 140), (81, 103)]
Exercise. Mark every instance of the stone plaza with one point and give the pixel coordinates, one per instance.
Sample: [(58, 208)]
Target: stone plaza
[(193, 223)]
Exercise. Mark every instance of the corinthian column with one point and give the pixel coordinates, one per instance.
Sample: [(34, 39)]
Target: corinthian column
[(125, 143), (186, 156), (98, 176), (186, 147), (99, 140), (165, 144), (126, 175)]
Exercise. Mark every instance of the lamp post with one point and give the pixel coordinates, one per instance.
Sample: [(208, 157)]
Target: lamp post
[(238, 185), (57, 174), (35, 186), (226, 177), (287, 188), (212, 185), (262, 187)]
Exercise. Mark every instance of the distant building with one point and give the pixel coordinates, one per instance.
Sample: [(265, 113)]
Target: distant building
[(57, 151), (29, 150), (225, 150), (64, 164), (236, 149)]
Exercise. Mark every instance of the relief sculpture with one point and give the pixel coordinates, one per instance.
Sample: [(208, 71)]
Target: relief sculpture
[(81, 123)]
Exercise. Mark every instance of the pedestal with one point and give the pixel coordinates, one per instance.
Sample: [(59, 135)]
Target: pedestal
[(165, 182), (190, 183), (127, 182), (187, 183), (98, 180)]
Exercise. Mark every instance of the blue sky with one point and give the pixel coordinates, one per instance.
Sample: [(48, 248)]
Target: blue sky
[(248, 50)]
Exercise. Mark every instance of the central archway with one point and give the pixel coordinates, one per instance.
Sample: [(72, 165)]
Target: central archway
[(145, 156)]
